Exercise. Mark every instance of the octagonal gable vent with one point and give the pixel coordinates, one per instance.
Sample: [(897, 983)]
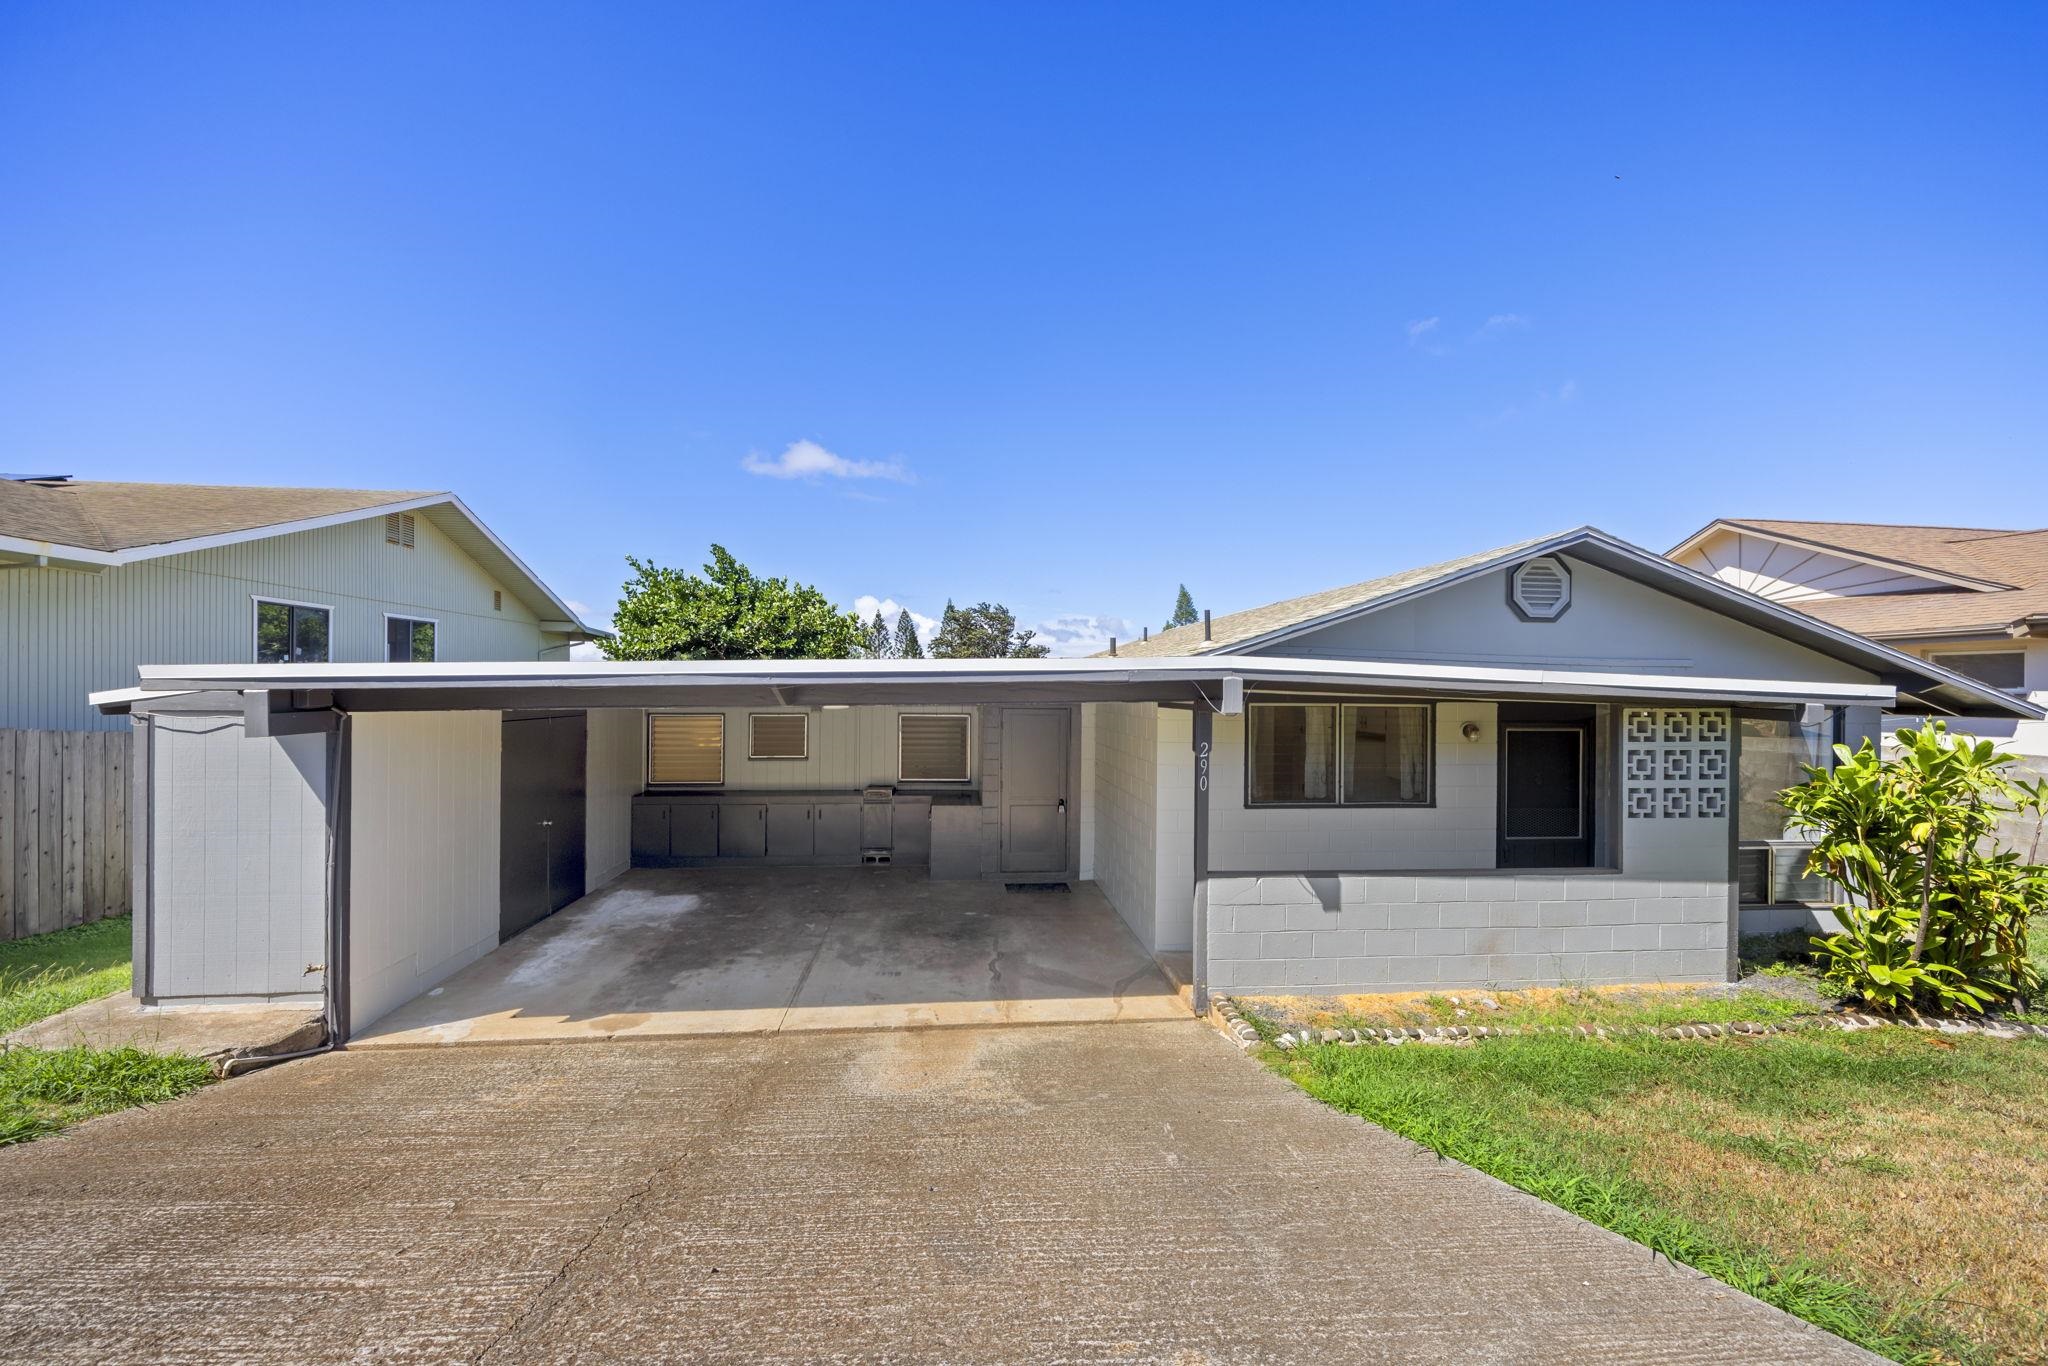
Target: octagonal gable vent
[(1540, 589)]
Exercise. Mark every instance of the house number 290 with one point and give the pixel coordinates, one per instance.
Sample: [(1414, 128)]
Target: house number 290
[(1202, 767)]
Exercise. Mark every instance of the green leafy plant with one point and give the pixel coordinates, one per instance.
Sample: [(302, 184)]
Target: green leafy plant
[(1936, 914), (729, 613)]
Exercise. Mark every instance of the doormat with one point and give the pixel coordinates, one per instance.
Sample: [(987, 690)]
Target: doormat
[(1036, 887)]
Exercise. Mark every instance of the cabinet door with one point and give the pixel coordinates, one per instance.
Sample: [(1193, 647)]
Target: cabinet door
[(836, 831), (650, 830), (693, 830), (742, 829), (789, 830), (913, 821), (877, 826)]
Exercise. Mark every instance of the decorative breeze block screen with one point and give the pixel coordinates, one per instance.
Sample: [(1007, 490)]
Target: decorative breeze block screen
[(1675, 763)]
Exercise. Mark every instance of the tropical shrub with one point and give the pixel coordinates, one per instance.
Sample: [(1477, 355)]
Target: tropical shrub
[(1936, 915)]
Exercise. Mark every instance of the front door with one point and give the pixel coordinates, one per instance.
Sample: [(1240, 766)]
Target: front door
[(1546, 807), (540, 840), (1034, 796)]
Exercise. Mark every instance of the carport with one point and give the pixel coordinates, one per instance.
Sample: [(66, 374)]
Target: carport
[(461, 852)]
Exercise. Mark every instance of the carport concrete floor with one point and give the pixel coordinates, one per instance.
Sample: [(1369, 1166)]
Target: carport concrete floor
[(667, 953), (1069, 1193)]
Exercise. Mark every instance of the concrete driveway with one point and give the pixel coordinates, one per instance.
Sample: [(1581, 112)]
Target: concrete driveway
[(668, 953), (1073, 1193)]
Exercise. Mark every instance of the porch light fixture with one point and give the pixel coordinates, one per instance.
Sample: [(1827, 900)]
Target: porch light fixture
[(1470, 730)]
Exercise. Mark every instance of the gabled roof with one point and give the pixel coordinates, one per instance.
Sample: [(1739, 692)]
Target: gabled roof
[(89, 524), (1996, 579), (1920, 683), (106, 516), (1235, 631)]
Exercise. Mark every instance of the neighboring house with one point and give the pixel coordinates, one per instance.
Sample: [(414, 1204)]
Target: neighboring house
[(97, 578), (1969, 598), (1520, 767)]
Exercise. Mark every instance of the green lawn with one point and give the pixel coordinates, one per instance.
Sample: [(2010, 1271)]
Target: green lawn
[(46, 973), (42, 1090), (1885, 1185)]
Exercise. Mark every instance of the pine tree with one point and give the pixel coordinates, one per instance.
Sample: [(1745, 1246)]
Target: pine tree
[(877, 644), (1184, 613), (907, 646)]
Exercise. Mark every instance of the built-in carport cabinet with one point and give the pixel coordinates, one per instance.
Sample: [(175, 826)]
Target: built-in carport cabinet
[(686, 828)]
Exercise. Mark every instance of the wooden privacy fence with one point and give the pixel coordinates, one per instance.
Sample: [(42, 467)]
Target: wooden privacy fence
[(63, 828)]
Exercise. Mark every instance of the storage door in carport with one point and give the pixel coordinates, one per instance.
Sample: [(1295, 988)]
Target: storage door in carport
[(540, 848)]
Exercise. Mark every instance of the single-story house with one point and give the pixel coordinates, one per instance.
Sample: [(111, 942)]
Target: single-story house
[(1518, 767)]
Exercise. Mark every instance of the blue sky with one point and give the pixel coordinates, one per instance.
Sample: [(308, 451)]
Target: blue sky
[(1055, 305)]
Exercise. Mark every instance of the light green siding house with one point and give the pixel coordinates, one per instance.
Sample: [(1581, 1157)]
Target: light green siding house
[(96, 578)]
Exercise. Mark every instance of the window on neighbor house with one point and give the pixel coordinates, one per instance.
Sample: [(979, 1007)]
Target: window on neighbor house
[(685, 748), (291, 633), (1323, 754), (931, 747), (2005, 669), (408, 640)]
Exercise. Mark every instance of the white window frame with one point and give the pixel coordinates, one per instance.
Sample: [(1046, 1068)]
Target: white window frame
[(257, 602), (966, 748), (1338, 800), (390, 617), (756, 758), (647, 748)]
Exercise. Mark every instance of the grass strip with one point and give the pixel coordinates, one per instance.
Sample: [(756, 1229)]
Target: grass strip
[(1465, 1104), (43, 1090)]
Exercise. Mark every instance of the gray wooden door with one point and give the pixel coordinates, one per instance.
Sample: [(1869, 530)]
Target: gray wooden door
[(693, 830), (540, 845), (837, 835), (1034, 790), (742, 829)]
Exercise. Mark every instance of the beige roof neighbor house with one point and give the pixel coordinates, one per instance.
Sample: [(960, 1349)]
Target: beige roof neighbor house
[(1972, 598), (97, 578)]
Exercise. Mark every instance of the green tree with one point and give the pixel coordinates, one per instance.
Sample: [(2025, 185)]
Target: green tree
[(1936, 913), (907, 645), (987, 630), (727, 614), (875, 643), (1184, 613)]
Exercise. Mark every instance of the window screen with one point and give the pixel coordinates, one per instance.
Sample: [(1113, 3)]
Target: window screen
[(931, 748), (685, 748), (1998, 668), (287, 633), (780, 736), (407, 641), (1293, 754), (1322, 754), (1386, 756)]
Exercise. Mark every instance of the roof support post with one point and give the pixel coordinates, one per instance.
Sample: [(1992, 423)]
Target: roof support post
[(340, 796), (1199, 959)]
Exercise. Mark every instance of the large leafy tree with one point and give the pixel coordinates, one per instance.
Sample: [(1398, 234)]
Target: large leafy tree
[(987, 630), (1184, 613), (907, 645), (728, 613)]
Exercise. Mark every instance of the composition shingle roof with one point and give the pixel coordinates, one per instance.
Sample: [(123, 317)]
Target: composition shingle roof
[(1235, 628), (107, 516), (2015, 563)]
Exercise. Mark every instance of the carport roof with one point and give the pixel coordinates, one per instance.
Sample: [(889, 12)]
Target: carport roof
[(768, 683)]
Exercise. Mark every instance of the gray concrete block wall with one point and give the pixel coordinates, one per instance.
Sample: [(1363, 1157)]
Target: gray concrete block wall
[(1363, 933)]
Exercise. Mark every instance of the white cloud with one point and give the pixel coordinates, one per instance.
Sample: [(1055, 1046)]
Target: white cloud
[(1568, 391), (1083, 635), (1420, 335), (1502, 322), (809, 460), (867, 604)]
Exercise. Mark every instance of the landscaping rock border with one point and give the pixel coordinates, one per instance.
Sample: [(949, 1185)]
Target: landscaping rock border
[(1242, 1032)]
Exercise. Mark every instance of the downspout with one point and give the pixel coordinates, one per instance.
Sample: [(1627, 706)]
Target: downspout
[(340, 790), (1204, 733)]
